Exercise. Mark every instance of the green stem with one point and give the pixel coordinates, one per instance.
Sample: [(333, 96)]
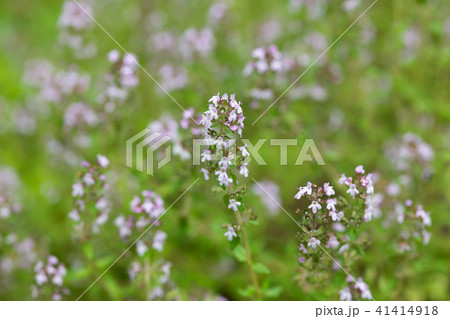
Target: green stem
[(249, 255), (147, 275)]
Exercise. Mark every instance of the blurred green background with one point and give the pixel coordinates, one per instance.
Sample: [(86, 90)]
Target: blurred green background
[(376, 101)]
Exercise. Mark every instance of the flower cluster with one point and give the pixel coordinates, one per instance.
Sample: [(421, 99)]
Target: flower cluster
[(224, 121), (17, 253), (407, 152), (55, 85), (160, 270), (122, 77), (73, 16), (80, 114), (49, 279), (361, 186), (413, 221), (200, 42), (73, 21), (146, 210), (90, 205), (173, 78), (333, 221), (355, 290), (265, 60), (181, 133)]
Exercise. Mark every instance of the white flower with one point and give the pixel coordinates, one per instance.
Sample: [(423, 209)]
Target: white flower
[(345, 294), (244, 150), (88, 179), (206, 173), (234, 204), (424, 215), (359, 169), (230, 233), (369, 186), (352, 190), (232, 117), (74, 215), (40, 278), (212, 113), (60, 272), (331, 204), (333, 242), (313, 242), (224, 162), (206, 155), (363, 288), (329, 191), (304, 190), (113, 56), (426, 237), (141, 248), (220, 143), (223, 178), (205, 121), (158, 240), (315, 206), (77, 190), (244, 170), (342, 179), (103, 161), (215, 99), (302, 248), (336, 216)]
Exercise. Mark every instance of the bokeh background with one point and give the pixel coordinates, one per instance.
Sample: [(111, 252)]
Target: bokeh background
[(388, 75)]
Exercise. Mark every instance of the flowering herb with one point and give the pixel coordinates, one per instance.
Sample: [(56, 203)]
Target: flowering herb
[(333, 221), (225, 157), (90, 203)]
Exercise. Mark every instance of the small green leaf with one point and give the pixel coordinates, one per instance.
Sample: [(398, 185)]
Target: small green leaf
[(273, 292), (248, 292), (88, 250), (352, 234), (361, 250), (226, 200), (75, 274), (253, 222), (239, 253), (234, 243), (261, 269), (104, 261)]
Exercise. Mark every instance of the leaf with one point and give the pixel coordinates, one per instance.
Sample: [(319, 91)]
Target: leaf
[(234, 243), (261, 269), (352, 234), (104, 262), (88, 250), (253, 222), (226, 200), (361, 250), (273, 292), (75, 274), (248, 292), (239, 253)]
